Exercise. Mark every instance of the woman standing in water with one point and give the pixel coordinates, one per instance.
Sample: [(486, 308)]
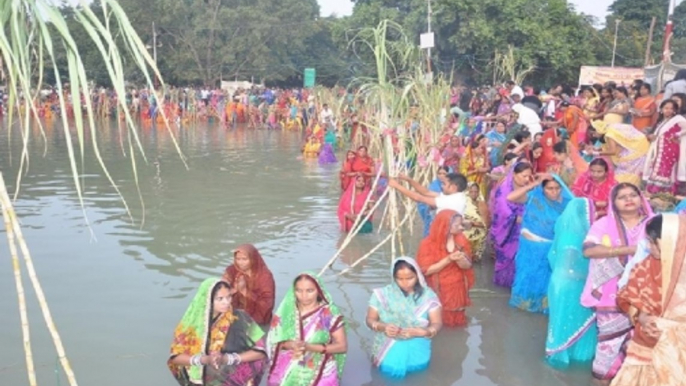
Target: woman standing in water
[(215, 344), (572, 334), (610, 243), (307, 341), (253, 284), (425, 211), (476, 213), (545, 199), (347, 173), (356, 202), (506, 222), (655, 300), (405, 315), (363, 164), (445, 258)]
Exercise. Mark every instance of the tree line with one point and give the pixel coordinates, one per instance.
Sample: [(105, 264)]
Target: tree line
[(200, 42)]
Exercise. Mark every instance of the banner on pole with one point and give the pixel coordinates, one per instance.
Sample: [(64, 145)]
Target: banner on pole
[(623, 76), (426, 40), (310, 76)]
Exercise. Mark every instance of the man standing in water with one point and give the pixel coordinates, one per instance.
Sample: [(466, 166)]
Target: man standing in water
[(452, 197)]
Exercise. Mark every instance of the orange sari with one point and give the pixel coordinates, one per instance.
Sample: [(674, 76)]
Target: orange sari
[(452, 283), (575, 122), (645, 103)]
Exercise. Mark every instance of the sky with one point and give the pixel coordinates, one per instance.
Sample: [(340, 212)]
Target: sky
[(597, 8)]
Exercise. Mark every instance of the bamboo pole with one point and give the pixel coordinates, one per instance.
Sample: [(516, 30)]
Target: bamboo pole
[(650, 41), (14, 225), (21, 296)]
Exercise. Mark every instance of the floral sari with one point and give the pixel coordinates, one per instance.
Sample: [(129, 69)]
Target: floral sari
[(572, 334), (666, 160), (230, 332), (532, 270), (315, 327), (658, 287), (598, 192), (452, 283), (600, 290), (469, 165), (477, 212), (395, 358), (260, 288)]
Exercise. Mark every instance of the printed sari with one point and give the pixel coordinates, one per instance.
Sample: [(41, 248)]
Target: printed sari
[(572, 334), (477, 212), (532, 270), (505, 229), (354, 201), (600, 290), (316, 327), (397, 357), (451, 156), (493, 137), (658, 287), (632, 154), (469, 166), (598, 192), (666, 160), (260, 288), (230, 332), (452, 283)]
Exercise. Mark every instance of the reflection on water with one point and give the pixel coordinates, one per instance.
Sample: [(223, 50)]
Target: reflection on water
[(117, 299)]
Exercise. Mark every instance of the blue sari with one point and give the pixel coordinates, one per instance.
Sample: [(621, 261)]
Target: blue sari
[(532, 270), (572, 332), (396, 358), (681, 208), (425, 211), (494, 136)]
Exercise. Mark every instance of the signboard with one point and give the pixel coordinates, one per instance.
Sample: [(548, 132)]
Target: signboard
[(426, 40), (309, 77), (590, 75)]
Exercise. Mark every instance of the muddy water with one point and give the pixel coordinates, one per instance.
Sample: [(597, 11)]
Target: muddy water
[(117, 289)]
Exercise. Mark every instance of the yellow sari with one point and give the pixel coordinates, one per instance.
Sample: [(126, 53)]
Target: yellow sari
[(469, 165), (475, 235)]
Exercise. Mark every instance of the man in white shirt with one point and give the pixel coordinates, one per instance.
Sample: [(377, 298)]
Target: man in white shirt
[(326, 114), (452, 197), (528, 118)]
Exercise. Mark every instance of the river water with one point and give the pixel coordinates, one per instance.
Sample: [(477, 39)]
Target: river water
[(118, 288)]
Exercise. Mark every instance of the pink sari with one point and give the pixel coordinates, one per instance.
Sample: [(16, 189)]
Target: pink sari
[(600, 291), (352, 202)]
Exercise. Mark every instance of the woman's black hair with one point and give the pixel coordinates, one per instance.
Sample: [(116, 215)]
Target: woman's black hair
[(509, 157), (623, 90), (675, 106), (521, 136), (546, 182), (600, 162), (536, 146), (522, 167), (418, 289), (654, 228), (647, 86), (474, 144), (305, 276), (682, 98), (444, 168), (238, 339), (560, 147), (680, 75)]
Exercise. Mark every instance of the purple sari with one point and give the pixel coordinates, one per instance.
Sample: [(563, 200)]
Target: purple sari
[(505, 229), (327, 156)]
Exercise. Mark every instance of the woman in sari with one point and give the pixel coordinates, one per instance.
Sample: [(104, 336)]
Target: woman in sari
[(355, 202), (474, 165), (591, 101), (596, 184), (506, 223), (665, 165), (618, 108), (610, 243), (347, 170), (253, 283), (215, 344), (405, 316), (568, 163), (655, 300), (476, 213), (496, 138), (363, 164), (575, 122), (307, 341), (645, 109), (445, 258), (626, 147), (544, 201), (451, 153), (425, 211), (572, 334)]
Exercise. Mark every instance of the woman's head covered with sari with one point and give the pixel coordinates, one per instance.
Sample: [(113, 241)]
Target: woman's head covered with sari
[(597, 182), (353, 201), (286, 325), (259, 280), (199, 331), (505, 212)]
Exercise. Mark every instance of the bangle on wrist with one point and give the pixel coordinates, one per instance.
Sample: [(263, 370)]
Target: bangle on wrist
[(324, 349)]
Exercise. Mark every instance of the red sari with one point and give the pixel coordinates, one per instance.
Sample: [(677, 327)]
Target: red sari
[(547, 158), (452, 284), (363, 165), (345, 170), (598, 192), (260, 287)]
